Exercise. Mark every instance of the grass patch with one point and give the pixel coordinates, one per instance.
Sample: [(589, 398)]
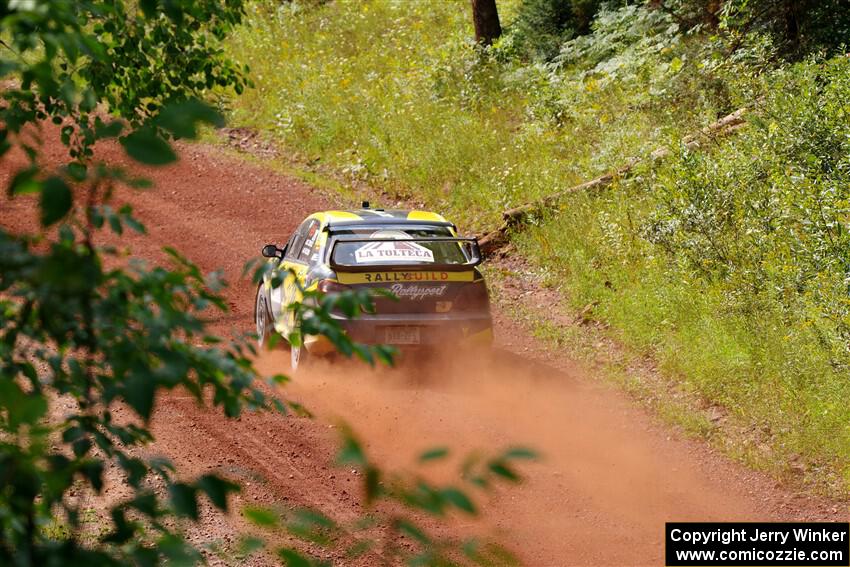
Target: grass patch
[(763, 361), (395, 95)]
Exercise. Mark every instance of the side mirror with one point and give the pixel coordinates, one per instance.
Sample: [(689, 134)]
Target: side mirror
[(471, 251), (272, 251)]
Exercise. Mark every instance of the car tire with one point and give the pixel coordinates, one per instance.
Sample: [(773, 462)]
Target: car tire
[(262, 318), (297, 357)]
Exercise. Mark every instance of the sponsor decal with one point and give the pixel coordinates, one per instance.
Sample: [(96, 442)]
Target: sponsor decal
[(308, 245), (398, 251), (407, 276), (417, 292), (411, 277)]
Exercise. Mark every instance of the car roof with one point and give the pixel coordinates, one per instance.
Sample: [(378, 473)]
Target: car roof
[(380, 217)]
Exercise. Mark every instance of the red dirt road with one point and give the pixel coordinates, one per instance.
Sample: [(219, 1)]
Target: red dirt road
[(610, 475)]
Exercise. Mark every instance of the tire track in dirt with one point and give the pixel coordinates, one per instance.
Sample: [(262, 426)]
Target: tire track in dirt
[(610, 478)]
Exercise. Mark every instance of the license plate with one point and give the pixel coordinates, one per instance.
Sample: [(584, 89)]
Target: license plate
[(402, 335)]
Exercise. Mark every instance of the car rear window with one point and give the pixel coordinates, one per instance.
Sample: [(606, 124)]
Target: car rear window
[(397, 245)]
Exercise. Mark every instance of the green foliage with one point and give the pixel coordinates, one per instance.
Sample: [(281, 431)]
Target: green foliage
[(72, 329), (767, 215), (625, 43), (541, 26), (99, 337), (743, 252), (70, 57), (798, 27), (75, 330), (396, 96)]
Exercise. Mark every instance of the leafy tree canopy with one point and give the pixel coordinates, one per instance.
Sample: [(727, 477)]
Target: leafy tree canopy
[(71, 328)]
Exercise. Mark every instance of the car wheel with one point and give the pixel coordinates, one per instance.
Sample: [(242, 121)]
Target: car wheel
[(262, 318), (297, 356)]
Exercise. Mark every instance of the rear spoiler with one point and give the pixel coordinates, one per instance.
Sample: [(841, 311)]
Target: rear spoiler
[(468, 246)]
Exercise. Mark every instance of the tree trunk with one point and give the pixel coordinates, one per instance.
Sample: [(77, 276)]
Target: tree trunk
[(514, 219), (485, 17), (792, 24), (712, 14)]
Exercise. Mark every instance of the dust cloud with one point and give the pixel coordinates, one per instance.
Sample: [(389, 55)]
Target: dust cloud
[(608, 477)]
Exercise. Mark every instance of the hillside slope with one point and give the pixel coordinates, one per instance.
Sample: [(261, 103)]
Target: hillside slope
[(729, 265)]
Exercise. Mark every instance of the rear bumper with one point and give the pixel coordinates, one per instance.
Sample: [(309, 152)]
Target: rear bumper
[(434, 330)]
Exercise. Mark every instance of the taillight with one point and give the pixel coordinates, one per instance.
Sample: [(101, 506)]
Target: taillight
[(331, 286), (473, 297)]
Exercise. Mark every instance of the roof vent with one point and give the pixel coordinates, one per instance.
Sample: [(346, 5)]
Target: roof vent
[(365, 204)]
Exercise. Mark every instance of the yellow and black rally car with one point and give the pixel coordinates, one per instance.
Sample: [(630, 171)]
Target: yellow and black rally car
[(416, 255)]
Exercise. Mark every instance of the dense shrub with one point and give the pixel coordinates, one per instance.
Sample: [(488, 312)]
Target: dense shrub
[(540, 26), (768, 214), (730, 265), (798, 26)]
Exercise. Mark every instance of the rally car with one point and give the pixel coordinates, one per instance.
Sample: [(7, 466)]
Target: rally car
[(440, 297)]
